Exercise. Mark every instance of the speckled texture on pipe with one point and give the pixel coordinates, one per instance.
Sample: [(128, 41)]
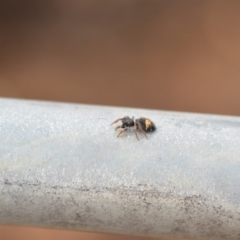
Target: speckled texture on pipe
[(62, 166)]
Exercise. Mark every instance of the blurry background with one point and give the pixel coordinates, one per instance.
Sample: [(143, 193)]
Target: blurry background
[(171, 55)]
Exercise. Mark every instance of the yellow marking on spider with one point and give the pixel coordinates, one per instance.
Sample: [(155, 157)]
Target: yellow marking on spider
[(148, 123)]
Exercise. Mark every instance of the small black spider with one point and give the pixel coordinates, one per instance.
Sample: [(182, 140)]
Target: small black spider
[(142, 124)]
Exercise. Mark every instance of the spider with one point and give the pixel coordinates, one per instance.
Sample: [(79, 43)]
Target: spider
[(143, 124)]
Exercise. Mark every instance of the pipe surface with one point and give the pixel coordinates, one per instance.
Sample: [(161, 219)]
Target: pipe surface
[(62, 166)]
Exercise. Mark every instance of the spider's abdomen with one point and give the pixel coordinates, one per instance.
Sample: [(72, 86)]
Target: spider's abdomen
[(146, 124)]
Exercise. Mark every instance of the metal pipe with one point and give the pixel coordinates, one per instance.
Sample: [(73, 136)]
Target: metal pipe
[(62, 166)]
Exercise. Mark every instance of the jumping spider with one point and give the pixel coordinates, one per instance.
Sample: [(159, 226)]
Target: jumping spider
[(143, 124)]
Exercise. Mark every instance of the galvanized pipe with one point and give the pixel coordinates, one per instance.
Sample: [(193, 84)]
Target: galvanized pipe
[(62, 166)]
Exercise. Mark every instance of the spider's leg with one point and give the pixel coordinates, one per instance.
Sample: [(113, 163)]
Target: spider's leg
[(118, 127), (118, 120), (115, 121), (135, 131), (121, 132), (140, 127)]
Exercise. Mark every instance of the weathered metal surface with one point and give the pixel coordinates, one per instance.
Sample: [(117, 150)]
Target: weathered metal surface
[(62, 166)]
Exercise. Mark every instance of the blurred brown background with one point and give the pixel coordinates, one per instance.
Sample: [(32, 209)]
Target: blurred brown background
[(172, 55)]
